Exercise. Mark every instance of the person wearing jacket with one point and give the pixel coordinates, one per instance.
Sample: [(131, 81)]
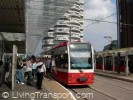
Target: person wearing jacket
[(41, 69)]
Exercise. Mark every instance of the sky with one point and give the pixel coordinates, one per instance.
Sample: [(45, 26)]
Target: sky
[(95, 33)]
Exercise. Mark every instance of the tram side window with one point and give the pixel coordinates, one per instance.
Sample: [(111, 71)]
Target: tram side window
[(89, 61), (57, 60), (64, 61)]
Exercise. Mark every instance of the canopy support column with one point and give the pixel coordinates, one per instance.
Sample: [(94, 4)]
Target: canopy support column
[(103, 67), (127, 68), (113, 61)]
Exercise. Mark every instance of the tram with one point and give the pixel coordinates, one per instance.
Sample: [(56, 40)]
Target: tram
[(74, 63)]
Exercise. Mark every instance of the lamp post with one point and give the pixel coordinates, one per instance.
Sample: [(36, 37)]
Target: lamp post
[(69, 33), (110, 40)]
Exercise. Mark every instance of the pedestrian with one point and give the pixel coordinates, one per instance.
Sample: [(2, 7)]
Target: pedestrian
[(1, 72), (48, 66), (29, 70), (24, 64), (44, 62), (7, 68), (130, 64), (53, 68), (34, 70), (41, 69), (19, 72)]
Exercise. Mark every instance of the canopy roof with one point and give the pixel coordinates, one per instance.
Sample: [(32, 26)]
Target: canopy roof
[(12, 16)]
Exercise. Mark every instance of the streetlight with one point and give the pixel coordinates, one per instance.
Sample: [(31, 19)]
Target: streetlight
[(70, 33), (109, 38)]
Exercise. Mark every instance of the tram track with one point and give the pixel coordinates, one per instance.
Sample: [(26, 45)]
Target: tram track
[(116, 80), (92, 88), (123, 82), (87, 89), (81, 89), (79, 95), (108, 95), (115, 85), (96, 90)]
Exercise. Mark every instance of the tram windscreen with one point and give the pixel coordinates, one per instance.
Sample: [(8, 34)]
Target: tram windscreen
[(80, 56)]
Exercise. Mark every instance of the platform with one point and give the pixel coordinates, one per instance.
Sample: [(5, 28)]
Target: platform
[(111, 74), (51, 90)]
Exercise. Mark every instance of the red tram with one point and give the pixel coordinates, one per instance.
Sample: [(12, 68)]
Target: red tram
[(74, 63)]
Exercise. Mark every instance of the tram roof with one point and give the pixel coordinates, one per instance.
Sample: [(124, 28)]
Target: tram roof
[(61, 44)]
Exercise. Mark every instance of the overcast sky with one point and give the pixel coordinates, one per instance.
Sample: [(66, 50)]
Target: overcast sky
[(99, 9)]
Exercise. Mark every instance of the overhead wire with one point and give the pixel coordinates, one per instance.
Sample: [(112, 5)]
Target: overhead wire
[(102, 20)]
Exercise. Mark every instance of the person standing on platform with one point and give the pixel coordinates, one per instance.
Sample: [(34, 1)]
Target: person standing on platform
[(34, 70), (29, 69), (44, 62), (48, 66), (41, 69), (7, 68), (53, 65), (130, 64), (1, 72), (19, 72)]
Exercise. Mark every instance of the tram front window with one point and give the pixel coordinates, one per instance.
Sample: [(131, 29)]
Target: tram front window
[(80, 56), (80, 63)]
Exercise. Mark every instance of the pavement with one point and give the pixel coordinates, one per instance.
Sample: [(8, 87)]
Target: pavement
[(51, 90), (111, 74)]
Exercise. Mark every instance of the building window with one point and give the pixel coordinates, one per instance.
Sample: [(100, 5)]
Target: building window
[(60, 29)]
